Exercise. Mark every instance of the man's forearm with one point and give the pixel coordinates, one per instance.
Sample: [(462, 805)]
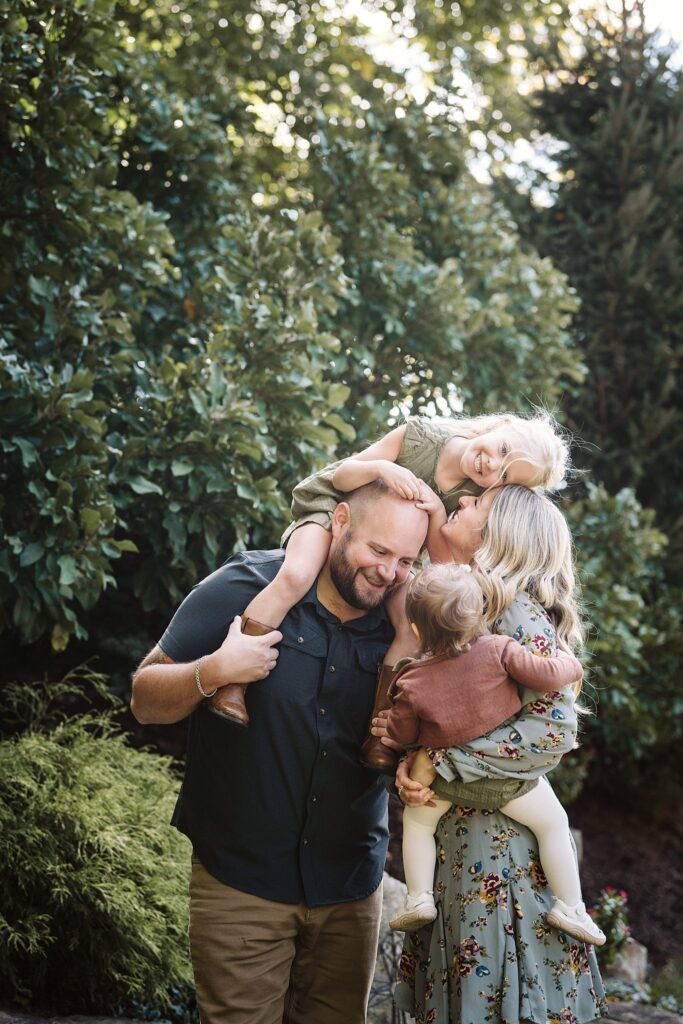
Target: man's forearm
[(165, 692)]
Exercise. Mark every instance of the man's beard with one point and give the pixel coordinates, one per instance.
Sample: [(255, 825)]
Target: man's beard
[(344, 577)]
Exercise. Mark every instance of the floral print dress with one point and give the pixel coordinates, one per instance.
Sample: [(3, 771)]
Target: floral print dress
[(489, 957)]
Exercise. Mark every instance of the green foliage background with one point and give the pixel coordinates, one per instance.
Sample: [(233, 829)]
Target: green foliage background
[(237, 245), (197, 310), (94, 882)]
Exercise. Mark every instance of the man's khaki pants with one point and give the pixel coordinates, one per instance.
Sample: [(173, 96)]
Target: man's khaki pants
[(260, 962)]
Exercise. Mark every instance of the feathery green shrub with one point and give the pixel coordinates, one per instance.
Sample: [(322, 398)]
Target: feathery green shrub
[(94, 881)]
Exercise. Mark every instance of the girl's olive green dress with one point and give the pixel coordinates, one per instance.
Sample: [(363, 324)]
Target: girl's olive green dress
[(315, 499), (490, 958)]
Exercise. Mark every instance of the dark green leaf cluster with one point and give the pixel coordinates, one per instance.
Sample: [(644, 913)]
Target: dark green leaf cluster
[(634, 646), (94, 881), (232, 234)]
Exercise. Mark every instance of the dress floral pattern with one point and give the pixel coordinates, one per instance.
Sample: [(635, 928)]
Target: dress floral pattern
[(490, 958)]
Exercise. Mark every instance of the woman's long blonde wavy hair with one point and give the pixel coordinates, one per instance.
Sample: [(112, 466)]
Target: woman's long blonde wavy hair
[(537, 439), (526, 546)]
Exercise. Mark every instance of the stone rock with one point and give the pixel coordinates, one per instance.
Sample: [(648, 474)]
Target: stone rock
[(577, 836), (630, 964), (392, 901), (381, 1008), (636, 1013)]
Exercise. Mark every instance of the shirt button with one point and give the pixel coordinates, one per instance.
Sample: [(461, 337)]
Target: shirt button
[(332, 668), (305, 842), (313, 799), (324, 753), (299, 639), (322, 711)]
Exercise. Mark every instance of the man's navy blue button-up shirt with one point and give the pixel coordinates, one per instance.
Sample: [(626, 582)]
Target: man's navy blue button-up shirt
[(283, 809)]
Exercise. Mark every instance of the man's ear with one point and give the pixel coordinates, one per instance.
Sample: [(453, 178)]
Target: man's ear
[(341, 519)]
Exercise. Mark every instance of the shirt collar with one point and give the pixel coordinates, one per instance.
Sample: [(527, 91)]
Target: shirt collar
[(370, 622)]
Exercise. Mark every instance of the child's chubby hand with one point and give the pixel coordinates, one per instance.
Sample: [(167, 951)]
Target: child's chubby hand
[(401, 480)]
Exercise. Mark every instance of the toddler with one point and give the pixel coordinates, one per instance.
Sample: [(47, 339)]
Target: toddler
[(466, 685), (452, 457)]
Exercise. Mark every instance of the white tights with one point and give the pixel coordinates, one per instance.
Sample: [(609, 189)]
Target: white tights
[(539, 810)]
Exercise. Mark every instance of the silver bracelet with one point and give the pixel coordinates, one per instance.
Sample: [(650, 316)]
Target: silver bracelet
[(198, 680)]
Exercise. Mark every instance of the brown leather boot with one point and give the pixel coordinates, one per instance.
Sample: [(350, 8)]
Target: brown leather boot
[(373, 753), (228, 702)]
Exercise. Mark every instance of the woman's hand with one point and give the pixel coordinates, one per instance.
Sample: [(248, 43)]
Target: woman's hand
[(431, 503), (411, 793)]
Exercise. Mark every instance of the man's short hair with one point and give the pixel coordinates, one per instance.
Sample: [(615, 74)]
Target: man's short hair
[(363, 498)]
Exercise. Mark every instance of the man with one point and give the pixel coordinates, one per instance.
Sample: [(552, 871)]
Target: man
[(289, 831)]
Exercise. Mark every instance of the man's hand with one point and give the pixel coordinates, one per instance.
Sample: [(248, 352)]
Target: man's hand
[(166, 692), (241, 658)]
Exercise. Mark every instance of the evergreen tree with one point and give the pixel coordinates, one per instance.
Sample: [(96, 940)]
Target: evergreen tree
[(614, 225)]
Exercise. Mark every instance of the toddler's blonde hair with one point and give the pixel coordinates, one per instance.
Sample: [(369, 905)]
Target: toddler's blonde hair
[(446, 604)]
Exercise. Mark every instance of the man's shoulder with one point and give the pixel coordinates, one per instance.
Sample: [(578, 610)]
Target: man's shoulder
[(245, 571), (249, 564), (273, 555)]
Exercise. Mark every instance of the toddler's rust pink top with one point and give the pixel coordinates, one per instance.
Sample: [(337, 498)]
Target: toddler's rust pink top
[(445, 702)]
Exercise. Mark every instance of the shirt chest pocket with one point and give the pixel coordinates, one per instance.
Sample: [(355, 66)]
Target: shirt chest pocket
[(302, 656), (369, 657)]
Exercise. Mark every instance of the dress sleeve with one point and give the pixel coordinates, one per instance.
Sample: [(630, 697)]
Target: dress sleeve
[(533, 742), (420, 449)]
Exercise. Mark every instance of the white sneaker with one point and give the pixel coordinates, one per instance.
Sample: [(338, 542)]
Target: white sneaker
[(419, 910), (575, 921)]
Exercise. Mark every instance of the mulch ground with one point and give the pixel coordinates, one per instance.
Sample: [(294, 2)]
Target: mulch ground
[(639, 850)]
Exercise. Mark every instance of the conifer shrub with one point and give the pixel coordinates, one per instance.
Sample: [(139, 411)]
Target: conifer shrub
[(93, 881)]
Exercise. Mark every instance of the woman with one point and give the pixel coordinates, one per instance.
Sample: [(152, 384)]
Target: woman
[(490, 958)]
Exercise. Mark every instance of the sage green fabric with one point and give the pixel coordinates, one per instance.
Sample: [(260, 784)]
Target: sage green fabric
[(315, 499), (486, 795)]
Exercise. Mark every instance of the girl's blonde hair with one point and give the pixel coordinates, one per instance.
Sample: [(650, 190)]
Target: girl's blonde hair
[(537, 439), (446, 604), (526, 546)]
